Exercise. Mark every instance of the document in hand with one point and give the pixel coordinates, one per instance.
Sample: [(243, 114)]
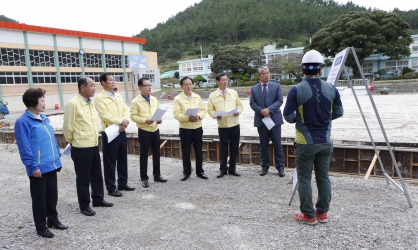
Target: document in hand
[(112, 132), (268, 122), (222, 113), (67, 151), (192, 112), (158, 115)]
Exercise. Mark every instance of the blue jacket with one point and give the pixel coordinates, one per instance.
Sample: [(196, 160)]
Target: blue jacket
[(37, 145), (312, 105)]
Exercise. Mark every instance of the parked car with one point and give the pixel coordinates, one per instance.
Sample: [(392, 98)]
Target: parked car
[(207, 85), (3, 109), (169, 85)]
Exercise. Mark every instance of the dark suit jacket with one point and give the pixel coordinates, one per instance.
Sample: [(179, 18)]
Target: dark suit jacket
[(273, 103)]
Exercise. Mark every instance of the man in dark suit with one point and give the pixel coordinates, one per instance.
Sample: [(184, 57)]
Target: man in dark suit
[(266, 99)]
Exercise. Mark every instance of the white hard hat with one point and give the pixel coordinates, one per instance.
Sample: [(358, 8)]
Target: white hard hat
[(312, 56)]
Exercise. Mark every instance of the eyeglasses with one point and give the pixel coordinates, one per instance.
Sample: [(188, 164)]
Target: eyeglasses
[(148, 85)]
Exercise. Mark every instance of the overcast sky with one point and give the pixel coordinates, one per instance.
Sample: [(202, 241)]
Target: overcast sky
[(124, 17)]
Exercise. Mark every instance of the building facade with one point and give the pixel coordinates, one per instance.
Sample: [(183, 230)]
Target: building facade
[(195, 67), (54, 59)]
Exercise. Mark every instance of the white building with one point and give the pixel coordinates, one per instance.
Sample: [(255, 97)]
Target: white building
[(195, 67)]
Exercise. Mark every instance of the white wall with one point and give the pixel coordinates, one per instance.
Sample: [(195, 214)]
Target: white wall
[(113, 45), (67, 41), (11, 36), (40, 39), (131, 47), (92, 43)]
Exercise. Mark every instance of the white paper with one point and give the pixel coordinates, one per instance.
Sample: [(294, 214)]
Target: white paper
[(268, 122), (112, 132), (158, 115), (222, 113), (192, 112), (295, 179), (67, 151)]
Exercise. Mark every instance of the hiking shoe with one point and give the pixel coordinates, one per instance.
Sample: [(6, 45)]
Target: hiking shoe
[(305, 219), (322, 217)]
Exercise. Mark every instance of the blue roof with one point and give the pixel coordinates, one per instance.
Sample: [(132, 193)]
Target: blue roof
[(168, 74)]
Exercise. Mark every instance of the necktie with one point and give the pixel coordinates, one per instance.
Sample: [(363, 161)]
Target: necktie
[(224, 94), (265, 91)]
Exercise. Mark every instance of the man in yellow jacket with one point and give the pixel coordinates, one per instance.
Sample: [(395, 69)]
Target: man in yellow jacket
[(142, 108), (190, 131), (81, 130), (113, 110), (224, 99)]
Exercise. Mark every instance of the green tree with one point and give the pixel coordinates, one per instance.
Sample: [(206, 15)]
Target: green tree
[(199, 80), (236, 58), (176, 75), (287, 64), (368, 32), (174, 54)]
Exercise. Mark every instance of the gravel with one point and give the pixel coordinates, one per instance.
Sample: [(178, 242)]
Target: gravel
[(247, 212)]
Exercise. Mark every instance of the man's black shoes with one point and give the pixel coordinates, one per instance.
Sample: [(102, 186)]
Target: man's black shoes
[(115, 193), (88, 211), (263, 172), (102, 203), (202, 176), (281, 173), (126, 188), (221, 174), (234, 173), (45, 233), (56, 225), (185, 177)]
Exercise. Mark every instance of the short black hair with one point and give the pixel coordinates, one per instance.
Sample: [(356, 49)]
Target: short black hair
[(185, 78), (141, 80), (218, 76), (31, 97), (311, 69), (82, 81), (103, 77)]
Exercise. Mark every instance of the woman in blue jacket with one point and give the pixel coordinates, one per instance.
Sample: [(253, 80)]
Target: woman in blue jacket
[(41, 155)]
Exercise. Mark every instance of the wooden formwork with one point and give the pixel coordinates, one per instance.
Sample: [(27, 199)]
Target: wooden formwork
[(347, 159)]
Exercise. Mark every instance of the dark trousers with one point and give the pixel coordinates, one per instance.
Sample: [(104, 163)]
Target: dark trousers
[(44, 193), (149, 140), (230, 135), (115, 153), (275, 135), (88, 170), (189, 137), (318, 156)]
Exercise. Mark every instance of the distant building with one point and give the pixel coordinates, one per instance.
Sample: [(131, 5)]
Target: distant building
[(195, 67), (54, 59), (370, 65)]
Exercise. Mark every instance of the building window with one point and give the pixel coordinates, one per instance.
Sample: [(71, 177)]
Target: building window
[(414, 65), (12, 57), (187, 67), (14, 78), (44, 77), (94, 76), (198, 66), (93, 60), (150, 77), (113, 61), (41, 58), (367, 68), (414, 48), (118, 77), (70, 77), (69, 59)]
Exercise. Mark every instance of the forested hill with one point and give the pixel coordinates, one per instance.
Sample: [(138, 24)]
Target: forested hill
[(6, 19), (229, 21)]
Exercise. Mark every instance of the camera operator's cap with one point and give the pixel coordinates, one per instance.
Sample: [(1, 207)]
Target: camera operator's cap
[(312, 60)]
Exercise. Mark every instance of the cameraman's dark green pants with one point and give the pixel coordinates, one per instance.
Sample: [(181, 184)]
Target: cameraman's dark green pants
[(317, 156)]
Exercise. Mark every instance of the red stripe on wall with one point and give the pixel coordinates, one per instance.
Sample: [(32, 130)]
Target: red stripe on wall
[(40, 29)]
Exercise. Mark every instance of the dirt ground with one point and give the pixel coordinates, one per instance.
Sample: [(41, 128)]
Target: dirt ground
[(247, 212)]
